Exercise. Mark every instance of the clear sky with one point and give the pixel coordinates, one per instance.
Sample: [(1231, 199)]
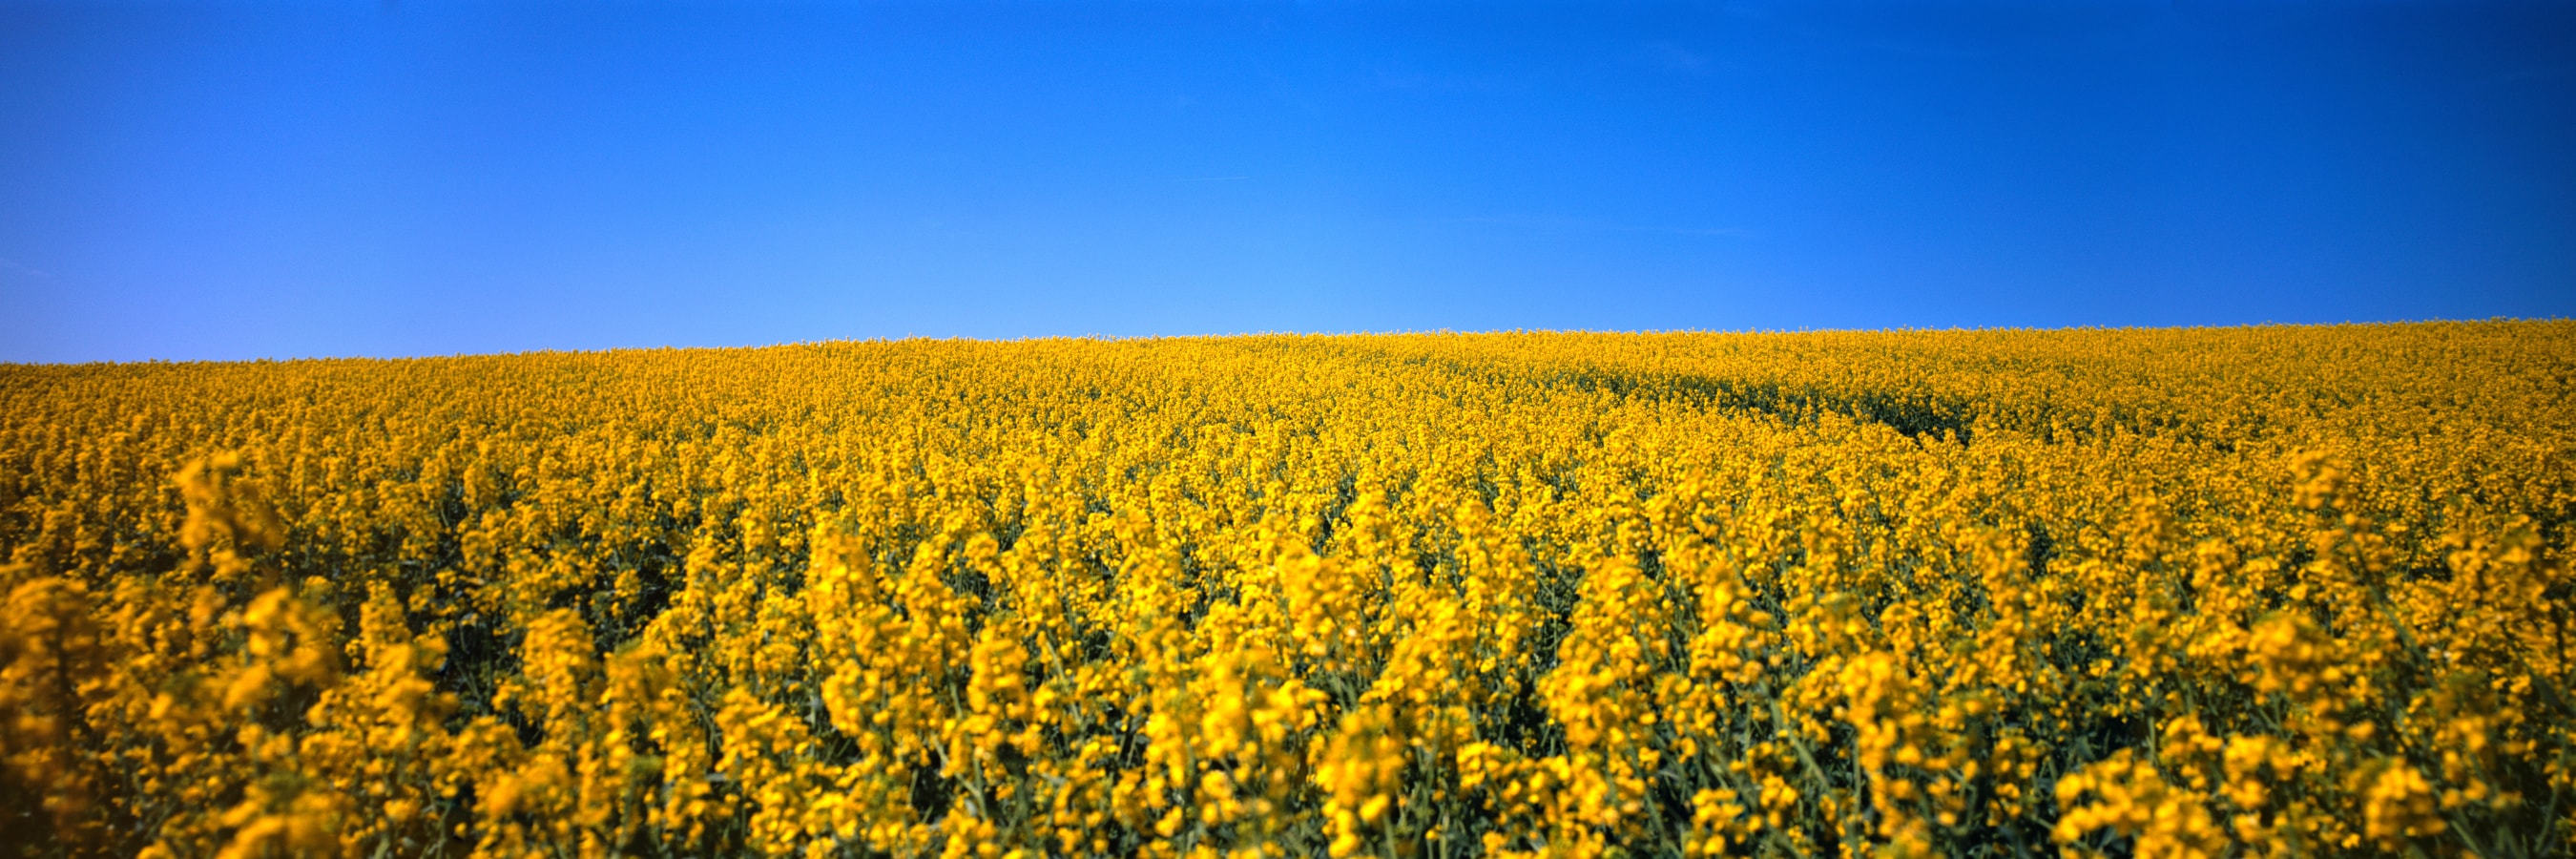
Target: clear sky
[(243, 180)]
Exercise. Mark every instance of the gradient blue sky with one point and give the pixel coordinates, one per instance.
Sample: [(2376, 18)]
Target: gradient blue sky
[(194, 181)]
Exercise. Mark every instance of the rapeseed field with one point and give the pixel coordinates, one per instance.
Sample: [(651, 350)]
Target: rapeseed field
[(2272, 591)]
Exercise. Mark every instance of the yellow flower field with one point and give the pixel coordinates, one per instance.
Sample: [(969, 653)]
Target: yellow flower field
[(2293, 591)]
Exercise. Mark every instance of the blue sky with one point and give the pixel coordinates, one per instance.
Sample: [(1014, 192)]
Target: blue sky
[(225, 181)]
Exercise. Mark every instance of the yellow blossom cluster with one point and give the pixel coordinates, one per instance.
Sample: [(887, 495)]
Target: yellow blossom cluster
[(2271, 591)]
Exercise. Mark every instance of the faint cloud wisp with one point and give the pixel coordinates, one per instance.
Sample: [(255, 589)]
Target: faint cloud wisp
[(1583, 225), (15, 267), (1675, 58)]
